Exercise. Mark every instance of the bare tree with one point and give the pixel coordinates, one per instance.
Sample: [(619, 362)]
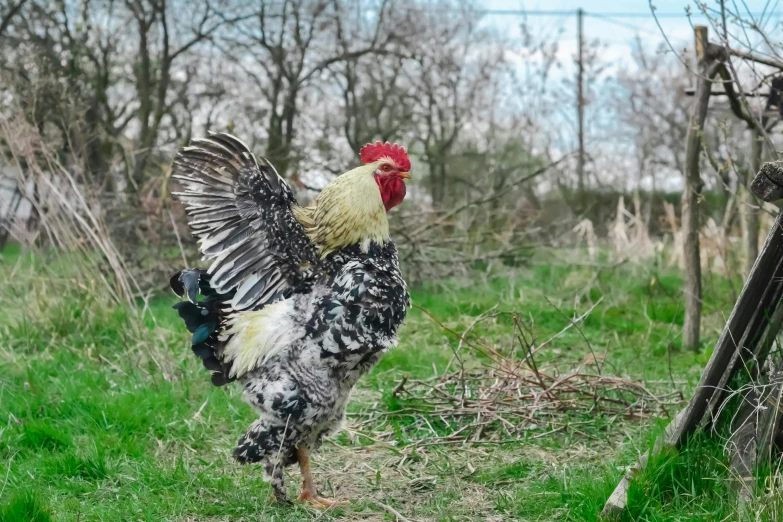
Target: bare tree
[(284, 49), (653, 106), (58, 67), (454, 65), (75, 66), (9, 11), (377, 101), (160, 45)]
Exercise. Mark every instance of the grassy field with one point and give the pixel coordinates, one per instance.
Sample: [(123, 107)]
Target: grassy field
[(105, 417)]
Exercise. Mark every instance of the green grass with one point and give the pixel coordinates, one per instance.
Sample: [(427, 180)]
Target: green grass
[(103, 417)]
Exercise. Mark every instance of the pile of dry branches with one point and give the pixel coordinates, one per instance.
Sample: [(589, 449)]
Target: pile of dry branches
[(496, 397), (507, 400)]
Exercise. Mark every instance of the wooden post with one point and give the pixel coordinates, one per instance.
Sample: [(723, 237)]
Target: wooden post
[(768, 184), (744, 334), (748, 204), (757, 317), (691, 193)]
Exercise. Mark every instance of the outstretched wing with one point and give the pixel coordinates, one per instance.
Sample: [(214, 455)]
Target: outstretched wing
[(240, 209)]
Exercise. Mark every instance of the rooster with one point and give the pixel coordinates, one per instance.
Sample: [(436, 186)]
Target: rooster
[(298, 302)]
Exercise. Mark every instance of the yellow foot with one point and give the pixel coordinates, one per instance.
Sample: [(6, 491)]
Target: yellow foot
[(320, 502)]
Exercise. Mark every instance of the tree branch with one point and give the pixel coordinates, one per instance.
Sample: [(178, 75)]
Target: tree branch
[(7, 17)]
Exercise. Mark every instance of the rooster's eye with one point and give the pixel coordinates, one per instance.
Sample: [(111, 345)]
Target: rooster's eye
[(386, 168)]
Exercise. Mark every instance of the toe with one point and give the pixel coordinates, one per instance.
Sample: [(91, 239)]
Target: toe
[(329, 502), (320, 502)]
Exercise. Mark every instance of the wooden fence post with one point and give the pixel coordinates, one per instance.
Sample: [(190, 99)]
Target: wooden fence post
[(748, 203), (757, 317), (691, 193)]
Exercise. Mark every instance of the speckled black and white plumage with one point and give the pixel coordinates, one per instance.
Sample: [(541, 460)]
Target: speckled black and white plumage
[(297, 330)]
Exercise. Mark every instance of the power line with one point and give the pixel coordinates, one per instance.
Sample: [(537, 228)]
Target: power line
[(624, 24), (537, 12)]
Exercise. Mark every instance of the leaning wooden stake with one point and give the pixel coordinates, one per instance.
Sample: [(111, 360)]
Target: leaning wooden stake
[(754, 345), (753, 437), (746, 333), (619, 498), (753, 428)]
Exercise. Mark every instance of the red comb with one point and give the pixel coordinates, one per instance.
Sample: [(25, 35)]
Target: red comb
[(375, 151)]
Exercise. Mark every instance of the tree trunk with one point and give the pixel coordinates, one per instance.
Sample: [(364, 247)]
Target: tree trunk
[(749, 205), (436, 185), (691, 195)]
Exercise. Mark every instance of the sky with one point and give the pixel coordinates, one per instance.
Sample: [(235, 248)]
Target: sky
[(622, 28), (617, 32), (616, 24)]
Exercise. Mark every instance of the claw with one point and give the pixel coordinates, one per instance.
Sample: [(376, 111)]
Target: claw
[(320, 502), (309, 493)]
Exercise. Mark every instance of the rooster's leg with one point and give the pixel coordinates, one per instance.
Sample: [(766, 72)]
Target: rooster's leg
[(309, 493), (275, 472)]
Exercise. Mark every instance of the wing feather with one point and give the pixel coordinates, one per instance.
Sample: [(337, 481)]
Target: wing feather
[(240, 210)]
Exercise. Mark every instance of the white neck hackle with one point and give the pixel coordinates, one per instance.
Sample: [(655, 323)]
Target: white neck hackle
[(349, 211)]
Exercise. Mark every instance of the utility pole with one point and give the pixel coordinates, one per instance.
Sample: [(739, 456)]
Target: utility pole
[(580, 103)]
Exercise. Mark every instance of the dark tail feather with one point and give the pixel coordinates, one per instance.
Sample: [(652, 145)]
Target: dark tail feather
[(202, 318), (193, 281)]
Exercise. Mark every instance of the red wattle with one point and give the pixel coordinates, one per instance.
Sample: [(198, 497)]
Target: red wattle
[(392, 190)]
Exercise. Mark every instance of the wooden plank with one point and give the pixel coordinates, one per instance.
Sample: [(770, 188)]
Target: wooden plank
[(769, 424), (768, 183), (701, 41), (741, 317), (743, 444), (753, 436), (753, 346), (744, 314), (617, 501)]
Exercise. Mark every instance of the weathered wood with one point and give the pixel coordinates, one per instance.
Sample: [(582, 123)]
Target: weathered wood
[(701, 43), (742, 316), (719, 52), (619, 498), (764, 421), (771, 417), (757, 302), (753, 436), (743, 444), (691, 193), (768, 183), (749, 205), (754, 428), (754, 344), (735, 102)]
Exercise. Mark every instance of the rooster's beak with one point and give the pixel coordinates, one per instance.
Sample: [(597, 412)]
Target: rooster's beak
[(405, 175)]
